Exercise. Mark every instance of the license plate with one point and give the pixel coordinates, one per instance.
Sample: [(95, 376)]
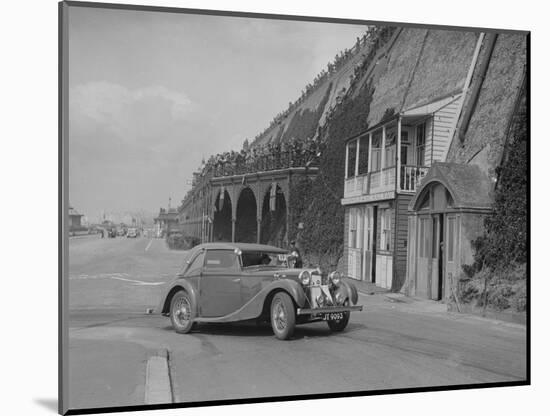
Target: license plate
[(333, 316)]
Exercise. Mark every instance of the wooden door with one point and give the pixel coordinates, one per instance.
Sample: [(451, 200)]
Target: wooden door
[(367, 244), (436, 254), (423, 264), (450, 251)]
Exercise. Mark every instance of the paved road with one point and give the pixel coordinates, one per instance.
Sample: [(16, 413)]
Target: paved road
[(396, 342)]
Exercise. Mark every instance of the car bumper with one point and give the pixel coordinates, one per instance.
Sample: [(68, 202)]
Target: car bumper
[(309, 311)]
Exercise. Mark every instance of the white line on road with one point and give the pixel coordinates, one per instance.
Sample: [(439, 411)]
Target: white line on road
[(115, 276), (157, 381), (137, 282), (149, 245)]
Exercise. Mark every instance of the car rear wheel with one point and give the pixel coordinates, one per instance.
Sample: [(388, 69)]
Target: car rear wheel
[(181, 312), (283, 316), (340, 324)]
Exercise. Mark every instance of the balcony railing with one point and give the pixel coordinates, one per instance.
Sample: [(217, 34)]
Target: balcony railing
[(358, 185), (384, 181), (411, 177)]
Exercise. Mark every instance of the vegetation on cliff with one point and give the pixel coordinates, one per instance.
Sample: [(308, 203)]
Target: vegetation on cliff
[(319, 208), (497, 278)]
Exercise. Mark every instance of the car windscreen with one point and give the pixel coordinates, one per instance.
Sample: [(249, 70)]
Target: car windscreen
[(264, 258)]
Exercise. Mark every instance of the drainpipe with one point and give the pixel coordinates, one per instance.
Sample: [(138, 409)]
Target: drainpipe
[(476, 87)]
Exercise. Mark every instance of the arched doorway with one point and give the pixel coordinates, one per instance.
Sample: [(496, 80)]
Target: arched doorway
[(445, 215), (222, 217), (273, 227), (246, 225)]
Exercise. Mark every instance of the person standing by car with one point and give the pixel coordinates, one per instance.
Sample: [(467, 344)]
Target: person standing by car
[(295, 253)]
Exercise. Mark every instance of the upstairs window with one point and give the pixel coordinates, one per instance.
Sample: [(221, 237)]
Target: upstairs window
[(391, 138), (363, 154), (352, 150), (421, 144), (376, 150)]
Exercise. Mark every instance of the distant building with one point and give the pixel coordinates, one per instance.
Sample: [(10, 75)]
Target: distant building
[(75, 219), (166, 220)]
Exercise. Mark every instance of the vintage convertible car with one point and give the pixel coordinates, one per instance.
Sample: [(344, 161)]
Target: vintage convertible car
[(229, 282)]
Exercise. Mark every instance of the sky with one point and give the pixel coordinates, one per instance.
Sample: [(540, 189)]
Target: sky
[(152, 93)]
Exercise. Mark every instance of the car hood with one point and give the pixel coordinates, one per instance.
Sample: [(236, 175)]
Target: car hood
[(279, 272)]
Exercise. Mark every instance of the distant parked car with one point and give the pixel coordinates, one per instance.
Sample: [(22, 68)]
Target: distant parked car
[(241, 282), (132, 233)]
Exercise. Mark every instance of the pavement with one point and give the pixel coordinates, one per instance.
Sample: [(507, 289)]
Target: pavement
[(119, 354)]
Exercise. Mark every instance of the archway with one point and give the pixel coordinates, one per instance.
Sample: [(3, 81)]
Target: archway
[(222, 218), (273, 227), (246, 226)]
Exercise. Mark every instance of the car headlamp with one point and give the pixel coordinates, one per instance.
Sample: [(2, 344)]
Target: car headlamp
[(335, 277), (305, 277)]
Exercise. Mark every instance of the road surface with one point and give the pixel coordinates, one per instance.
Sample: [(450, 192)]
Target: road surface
[(396, 342)]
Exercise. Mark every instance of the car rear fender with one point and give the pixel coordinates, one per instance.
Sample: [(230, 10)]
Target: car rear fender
[(177, 285)]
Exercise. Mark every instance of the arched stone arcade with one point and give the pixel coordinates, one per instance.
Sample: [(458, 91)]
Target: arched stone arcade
[(273, 228), (223, 210), (246, 217), (243, 208)]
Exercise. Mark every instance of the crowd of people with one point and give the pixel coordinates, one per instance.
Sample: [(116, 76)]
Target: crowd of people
[(370, 37), (272, 156), (294, 153)]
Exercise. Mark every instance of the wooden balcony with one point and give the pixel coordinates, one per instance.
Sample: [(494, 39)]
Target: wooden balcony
[(384, 181)]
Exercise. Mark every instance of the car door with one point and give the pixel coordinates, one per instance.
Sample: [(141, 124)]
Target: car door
[(220, 283), (193, 268)]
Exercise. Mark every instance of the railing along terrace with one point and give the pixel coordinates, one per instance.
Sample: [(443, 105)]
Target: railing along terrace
[(276, 161)]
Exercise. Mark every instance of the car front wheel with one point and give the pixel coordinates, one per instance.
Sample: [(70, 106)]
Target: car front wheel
[(283, 316), (181, 312), (340, 324)]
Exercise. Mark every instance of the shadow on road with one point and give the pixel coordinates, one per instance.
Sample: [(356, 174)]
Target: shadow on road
[(316, 330), (49, 404)]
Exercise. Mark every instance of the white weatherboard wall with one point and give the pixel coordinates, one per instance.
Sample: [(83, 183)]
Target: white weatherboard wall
[(384, 269), (443, 124)]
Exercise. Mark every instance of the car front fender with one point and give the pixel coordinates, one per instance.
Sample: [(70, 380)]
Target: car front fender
[(348, 291), (294, 289), (179, 284)]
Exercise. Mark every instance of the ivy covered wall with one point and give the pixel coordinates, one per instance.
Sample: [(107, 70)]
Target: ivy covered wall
[(317, 205)]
